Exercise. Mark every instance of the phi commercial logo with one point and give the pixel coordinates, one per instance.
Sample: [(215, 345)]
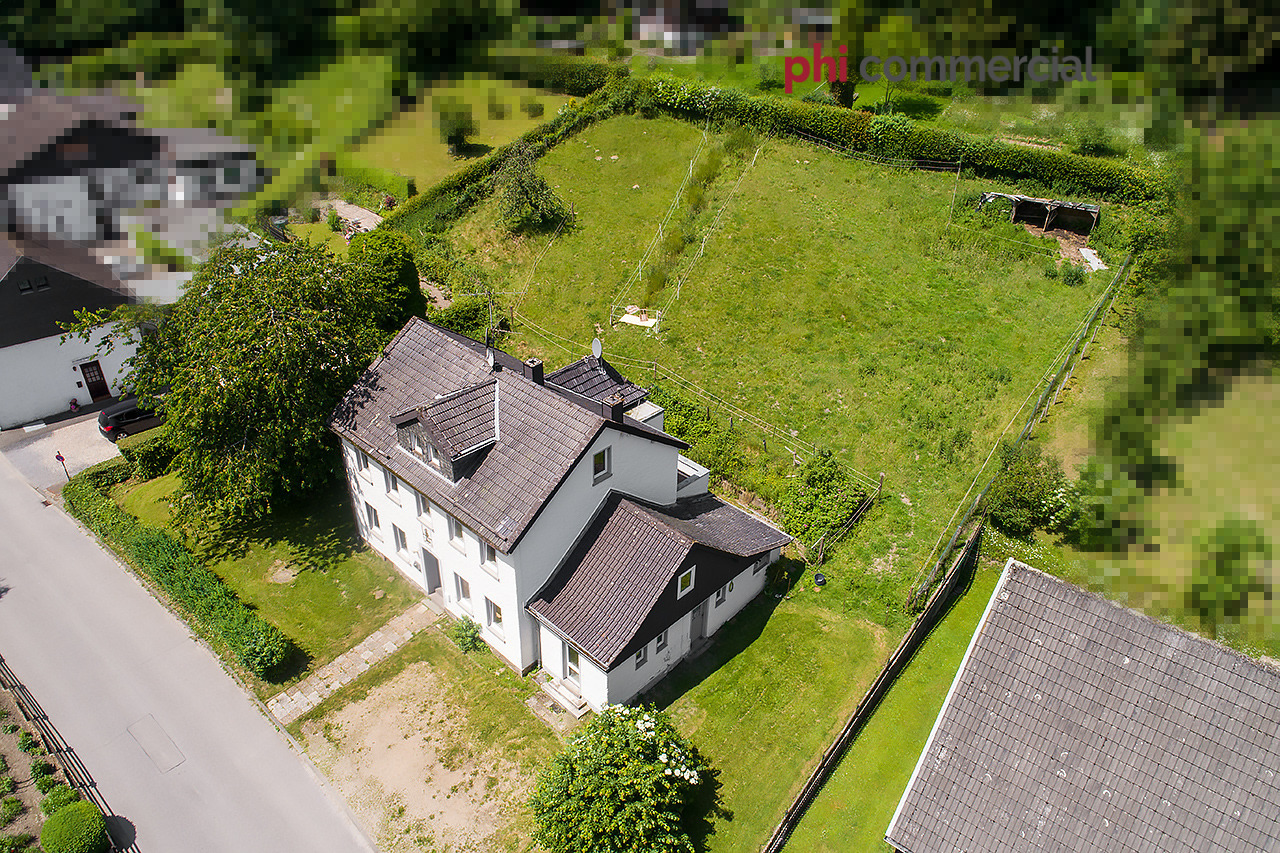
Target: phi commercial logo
[(999, 69)]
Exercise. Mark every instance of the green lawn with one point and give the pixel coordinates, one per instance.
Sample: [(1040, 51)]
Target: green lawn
[(765, 701), (853, 811), (410, 144), (320, 232), (304, 569)]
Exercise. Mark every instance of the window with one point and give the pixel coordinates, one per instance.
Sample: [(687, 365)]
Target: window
[(393, 485), (426, 450), (26, 287), (362, 460), (464, 591), (489, 558), (685, 583), (642, 656), (760, 564), (494, 614), (402, 543), (721, 594), (231, 175), (600, 465), (424, 506), (662, 640), (372, 515), (572, 665), (455, 534)]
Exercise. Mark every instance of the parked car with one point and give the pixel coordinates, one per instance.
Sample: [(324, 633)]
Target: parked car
[(120, 420)]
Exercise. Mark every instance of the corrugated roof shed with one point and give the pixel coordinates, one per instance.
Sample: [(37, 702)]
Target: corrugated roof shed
[(1077, 724)]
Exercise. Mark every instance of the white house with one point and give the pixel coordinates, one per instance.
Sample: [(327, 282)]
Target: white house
[(574, 532)]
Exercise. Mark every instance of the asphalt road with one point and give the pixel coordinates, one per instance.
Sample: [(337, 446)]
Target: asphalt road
[(175, 745)]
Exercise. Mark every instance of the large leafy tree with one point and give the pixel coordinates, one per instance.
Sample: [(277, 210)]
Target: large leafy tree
[(527, 199), (629, 782), (1229, 571), (248, 364), (384, 257)]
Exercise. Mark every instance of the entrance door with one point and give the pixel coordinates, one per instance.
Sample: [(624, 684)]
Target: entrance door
[(94, 381), (430, 570), (699, 623), (572, 666)]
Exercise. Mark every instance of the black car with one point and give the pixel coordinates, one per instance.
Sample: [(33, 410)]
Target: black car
[(126, 418)]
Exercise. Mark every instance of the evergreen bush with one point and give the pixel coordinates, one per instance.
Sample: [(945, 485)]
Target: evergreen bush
[(149, 452), (75, 828), (58, 798)]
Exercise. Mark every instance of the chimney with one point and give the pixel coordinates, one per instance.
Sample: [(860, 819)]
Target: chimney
[(612, 408), (533, 369)]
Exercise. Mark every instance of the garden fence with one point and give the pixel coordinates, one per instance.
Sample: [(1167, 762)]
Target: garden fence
[(920, 629), (1065, 365)]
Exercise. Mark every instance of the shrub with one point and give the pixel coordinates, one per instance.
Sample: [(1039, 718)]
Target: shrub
[(98, 512), (1230, 569), (711, 444), (468, 315), (466, 633), (106, 474), (15, 843), (28, 743), (1072, 276), (40, 768), (1022, 496), (75, 828), (7, 785), (150, 452), (10, 808), (313, 215), (629, 781), (569, 74), (334, 220), (1051, 269), (9, 728), (822, 498), (534, 109), (58, 798), (45, 784)]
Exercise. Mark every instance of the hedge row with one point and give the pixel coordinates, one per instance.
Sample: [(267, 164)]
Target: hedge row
[(452, 196), (384, 181), (149, 453), (258, 644), (898, 137), (572, 75)]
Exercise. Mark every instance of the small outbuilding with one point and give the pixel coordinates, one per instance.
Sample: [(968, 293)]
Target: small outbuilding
[(1044, 212)]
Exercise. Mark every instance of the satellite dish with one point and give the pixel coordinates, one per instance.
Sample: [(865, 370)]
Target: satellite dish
[(596, 347)]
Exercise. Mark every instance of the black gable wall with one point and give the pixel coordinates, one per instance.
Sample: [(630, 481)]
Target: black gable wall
[(34, 297)]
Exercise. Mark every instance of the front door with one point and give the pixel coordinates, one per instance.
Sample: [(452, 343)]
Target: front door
[(572, 666), (94, 381), (430, 570), (699, 623)]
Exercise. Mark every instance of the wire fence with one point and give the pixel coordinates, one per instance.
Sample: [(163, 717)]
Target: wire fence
[(1051, 382)]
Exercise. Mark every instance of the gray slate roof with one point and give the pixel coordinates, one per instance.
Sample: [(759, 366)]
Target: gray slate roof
[(466, 419), (596, 378), (629, 555), (542, 432), (1076, 724)]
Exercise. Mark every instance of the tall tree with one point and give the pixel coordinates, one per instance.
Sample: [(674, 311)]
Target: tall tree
[(385, 257), (527, 199)]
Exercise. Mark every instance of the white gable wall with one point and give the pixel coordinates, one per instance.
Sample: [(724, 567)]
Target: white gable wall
[(37, 379)]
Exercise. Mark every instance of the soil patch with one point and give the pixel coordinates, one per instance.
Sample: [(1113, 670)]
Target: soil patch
[(1069, 242), (408, 767), (29, 821), (282, 572)]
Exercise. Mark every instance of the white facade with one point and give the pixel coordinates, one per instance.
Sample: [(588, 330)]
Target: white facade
[(40, 378)]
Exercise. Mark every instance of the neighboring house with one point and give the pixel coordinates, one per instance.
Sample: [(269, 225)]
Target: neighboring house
[(574, 532), (78, 176), (1075, 724)]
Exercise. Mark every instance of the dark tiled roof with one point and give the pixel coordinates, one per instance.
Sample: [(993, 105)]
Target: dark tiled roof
[(596, 378), (542, 433), (629, 556), (1076, 724), (467, 419)]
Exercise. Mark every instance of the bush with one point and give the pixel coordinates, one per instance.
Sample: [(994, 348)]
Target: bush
[(466, 633), (28, 743), (1026, 494), (7, 785), (1051, 269), (1072, 276), (9, 728), (1230, 569), (106, 474), (10, 808), (149, 452), (569, 74), (334, 220), (15, 843), (40, 768), (383, 181), (821, 499), (58, 798), (45, 784), (313, 215), (629, 781), (534, 109), (76, 828), (711, 444)]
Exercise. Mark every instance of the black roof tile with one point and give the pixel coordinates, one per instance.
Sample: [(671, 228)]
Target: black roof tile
[(597, 379)]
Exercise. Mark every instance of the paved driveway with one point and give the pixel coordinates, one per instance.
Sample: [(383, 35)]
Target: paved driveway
[(33, 453), (175, 745)]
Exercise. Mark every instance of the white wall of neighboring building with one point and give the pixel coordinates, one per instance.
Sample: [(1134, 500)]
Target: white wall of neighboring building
[(37, 379)]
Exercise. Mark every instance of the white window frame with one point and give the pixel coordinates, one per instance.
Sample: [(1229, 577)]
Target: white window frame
[(606, 468), (681, 589), (392, 483), (493, 616), (662, 640), (401, 540), (457, 535), (431, 453), (489, 558), (722, 594), (572, 665), (463, 588), (371, 516), (642, 656), (362, 461), (424, 505)]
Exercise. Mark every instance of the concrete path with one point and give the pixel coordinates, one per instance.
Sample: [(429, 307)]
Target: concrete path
[(176, 746), (367, 218), (34, 453), (314, 689)]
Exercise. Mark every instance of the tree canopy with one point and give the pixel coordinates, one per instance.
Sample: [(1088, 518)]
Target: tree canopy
[(628, 783)]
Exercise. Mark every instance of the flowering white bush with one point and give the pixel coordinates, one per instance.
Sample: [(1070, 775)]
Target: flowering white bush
[(625, 783)]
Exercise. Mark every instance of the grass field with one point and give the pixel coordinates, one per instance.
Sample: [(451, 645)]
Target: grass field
[(852, 812), (305, 570), (771, 693)]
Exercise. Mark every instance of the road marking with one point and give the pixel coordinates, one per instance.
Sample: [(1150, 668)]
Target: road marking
[(156, 744)]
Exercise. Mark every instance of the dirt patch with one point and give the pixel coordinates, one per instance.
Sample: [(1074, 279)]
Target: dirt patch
[(282, 572), (880, 565), (1030, 142), (435, 294), (1069, 242), (407, 766), (17, 766)]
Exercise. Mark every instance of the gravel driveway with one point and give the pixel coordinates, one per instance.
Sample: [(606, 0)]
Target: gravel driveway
[(33, 453)]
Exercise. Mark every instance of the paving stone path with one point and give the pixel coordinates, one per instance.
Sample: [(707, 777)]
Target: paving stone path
[(311, 691)]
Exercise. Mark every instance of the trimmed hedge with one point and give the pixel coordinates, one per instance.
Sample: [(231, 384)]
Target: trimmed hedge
[(856, 130), (149, 453), (255, 642), (572, 75), (76, 828)]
